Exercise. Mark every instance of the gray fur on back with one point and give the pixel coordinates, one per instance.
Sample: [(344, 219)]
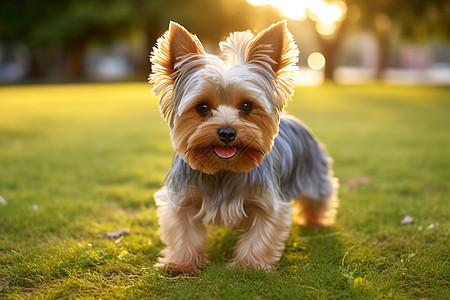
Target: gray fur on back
[(297, 165)]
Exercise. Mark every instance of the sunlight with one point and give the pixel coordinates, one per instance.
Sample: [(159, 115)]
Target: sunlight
[(318, 10), (315, 8), (331, 14), (259, 2), (292, 9)]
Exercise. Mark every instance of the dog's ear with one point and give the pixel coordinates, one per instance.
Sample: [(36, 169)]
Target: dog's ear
[(274, 48), (276, 43), (167, 57)]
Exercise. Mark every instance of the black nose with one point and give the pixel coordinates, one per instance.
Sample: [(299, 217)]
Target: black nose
[(226, 135)]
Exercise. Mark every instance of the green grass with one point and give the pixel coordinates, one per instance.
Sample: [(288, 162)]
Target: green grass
[(77, 161)]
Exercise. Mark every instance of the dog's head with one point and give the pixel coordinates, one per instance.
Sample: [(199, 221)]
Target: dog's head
[(223, 112)]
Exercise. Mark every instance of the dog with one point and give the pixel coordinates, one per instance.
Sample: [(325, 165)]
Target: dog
[(239, 161)]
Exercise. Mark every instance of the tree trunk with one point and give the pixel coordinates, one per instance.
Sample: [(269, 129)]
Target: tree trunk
[(330, 48), (35, 65), (383, 55), (73, 69), (383, 28), (329, 51)]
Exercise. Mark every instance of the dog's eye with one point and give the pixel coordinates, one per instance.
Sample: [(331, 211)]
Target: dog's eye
[(203, 109), (246, 107)]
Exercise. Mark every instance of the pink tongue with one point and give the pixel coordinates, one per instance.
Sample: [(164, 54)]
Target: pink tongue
[(225, 152)]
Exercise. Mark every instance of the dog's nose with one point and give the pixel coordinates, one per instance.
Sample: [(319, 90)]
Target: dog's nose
[(226, 135)]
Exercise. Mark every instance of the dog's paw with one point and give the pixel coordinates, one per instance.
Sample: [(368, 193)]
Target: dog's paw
[(248, 266), (175, 269)]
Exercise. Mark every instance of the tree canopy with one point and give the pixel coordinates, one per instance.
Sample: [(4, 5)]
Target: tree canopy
[(72, 24)]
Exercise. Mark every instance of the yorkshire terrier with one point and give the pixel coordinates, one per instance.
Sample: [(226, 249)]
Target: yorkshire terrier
[(239, 162)]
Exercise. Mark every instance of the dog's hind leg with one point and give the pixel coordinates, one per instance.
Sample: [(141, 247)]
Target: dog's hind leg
[(316, 212), (314, 188), (316, 206)]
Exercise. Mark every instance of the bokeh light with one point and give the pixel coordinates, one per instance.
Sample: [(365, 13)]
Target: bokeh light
[(316, 61), (318, 10), (330, 14), (325, 29), (292, 9)]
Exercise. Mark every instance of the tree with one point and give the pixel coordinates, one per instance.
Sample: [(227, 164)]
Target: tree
[(72, 24), (69, 24), (417, 20), (328, 20), (210, 20)]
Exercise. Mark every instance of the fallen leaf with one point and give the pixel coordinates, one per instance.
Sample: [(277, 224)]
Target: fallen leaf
[(115, 234), (407, 220), (3, 201)]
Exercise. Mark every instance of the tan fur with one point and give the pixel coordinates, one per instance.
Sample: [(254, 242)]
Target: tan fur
[(283, 53), (311, 213), (262, 243), (263, 219), (186, 239), (172, 46), (259, 247), (255, 138)]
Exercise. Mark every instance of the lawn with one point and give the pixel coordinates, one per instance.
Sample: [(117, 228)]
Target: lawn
[(78, 161)]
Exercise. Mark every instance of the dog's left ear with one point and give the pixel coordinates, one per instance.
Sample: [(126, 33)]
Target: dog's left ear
[(275, 48), (175, 45)]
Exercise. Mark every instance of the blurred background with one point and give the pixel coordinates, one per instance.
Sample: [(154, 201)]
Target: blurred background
[(353, 41)]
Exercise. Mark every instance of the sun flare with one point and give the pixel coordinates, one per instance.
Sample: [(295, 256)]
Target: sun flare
[(327, 13)]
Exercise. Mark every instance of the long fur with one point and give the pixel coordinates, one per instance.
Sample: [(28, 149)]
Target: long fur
[(297, 166), (277, 162)]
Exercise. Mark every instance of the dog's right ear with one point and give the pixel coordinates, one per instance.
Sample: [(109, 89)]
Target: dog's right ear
[(167, 57)]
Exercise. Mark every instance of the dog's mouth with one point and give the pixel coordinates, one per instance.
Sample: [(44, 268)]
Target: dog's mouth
[(225, 152)]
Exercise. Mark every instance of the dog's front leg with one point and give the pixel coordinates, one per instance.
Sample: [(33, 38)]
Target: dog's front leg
[(185, 238), (263, 239)]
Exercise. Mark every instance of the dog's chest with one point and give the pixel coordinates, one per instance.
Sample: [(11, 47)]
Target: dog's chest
[(229, 201)]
